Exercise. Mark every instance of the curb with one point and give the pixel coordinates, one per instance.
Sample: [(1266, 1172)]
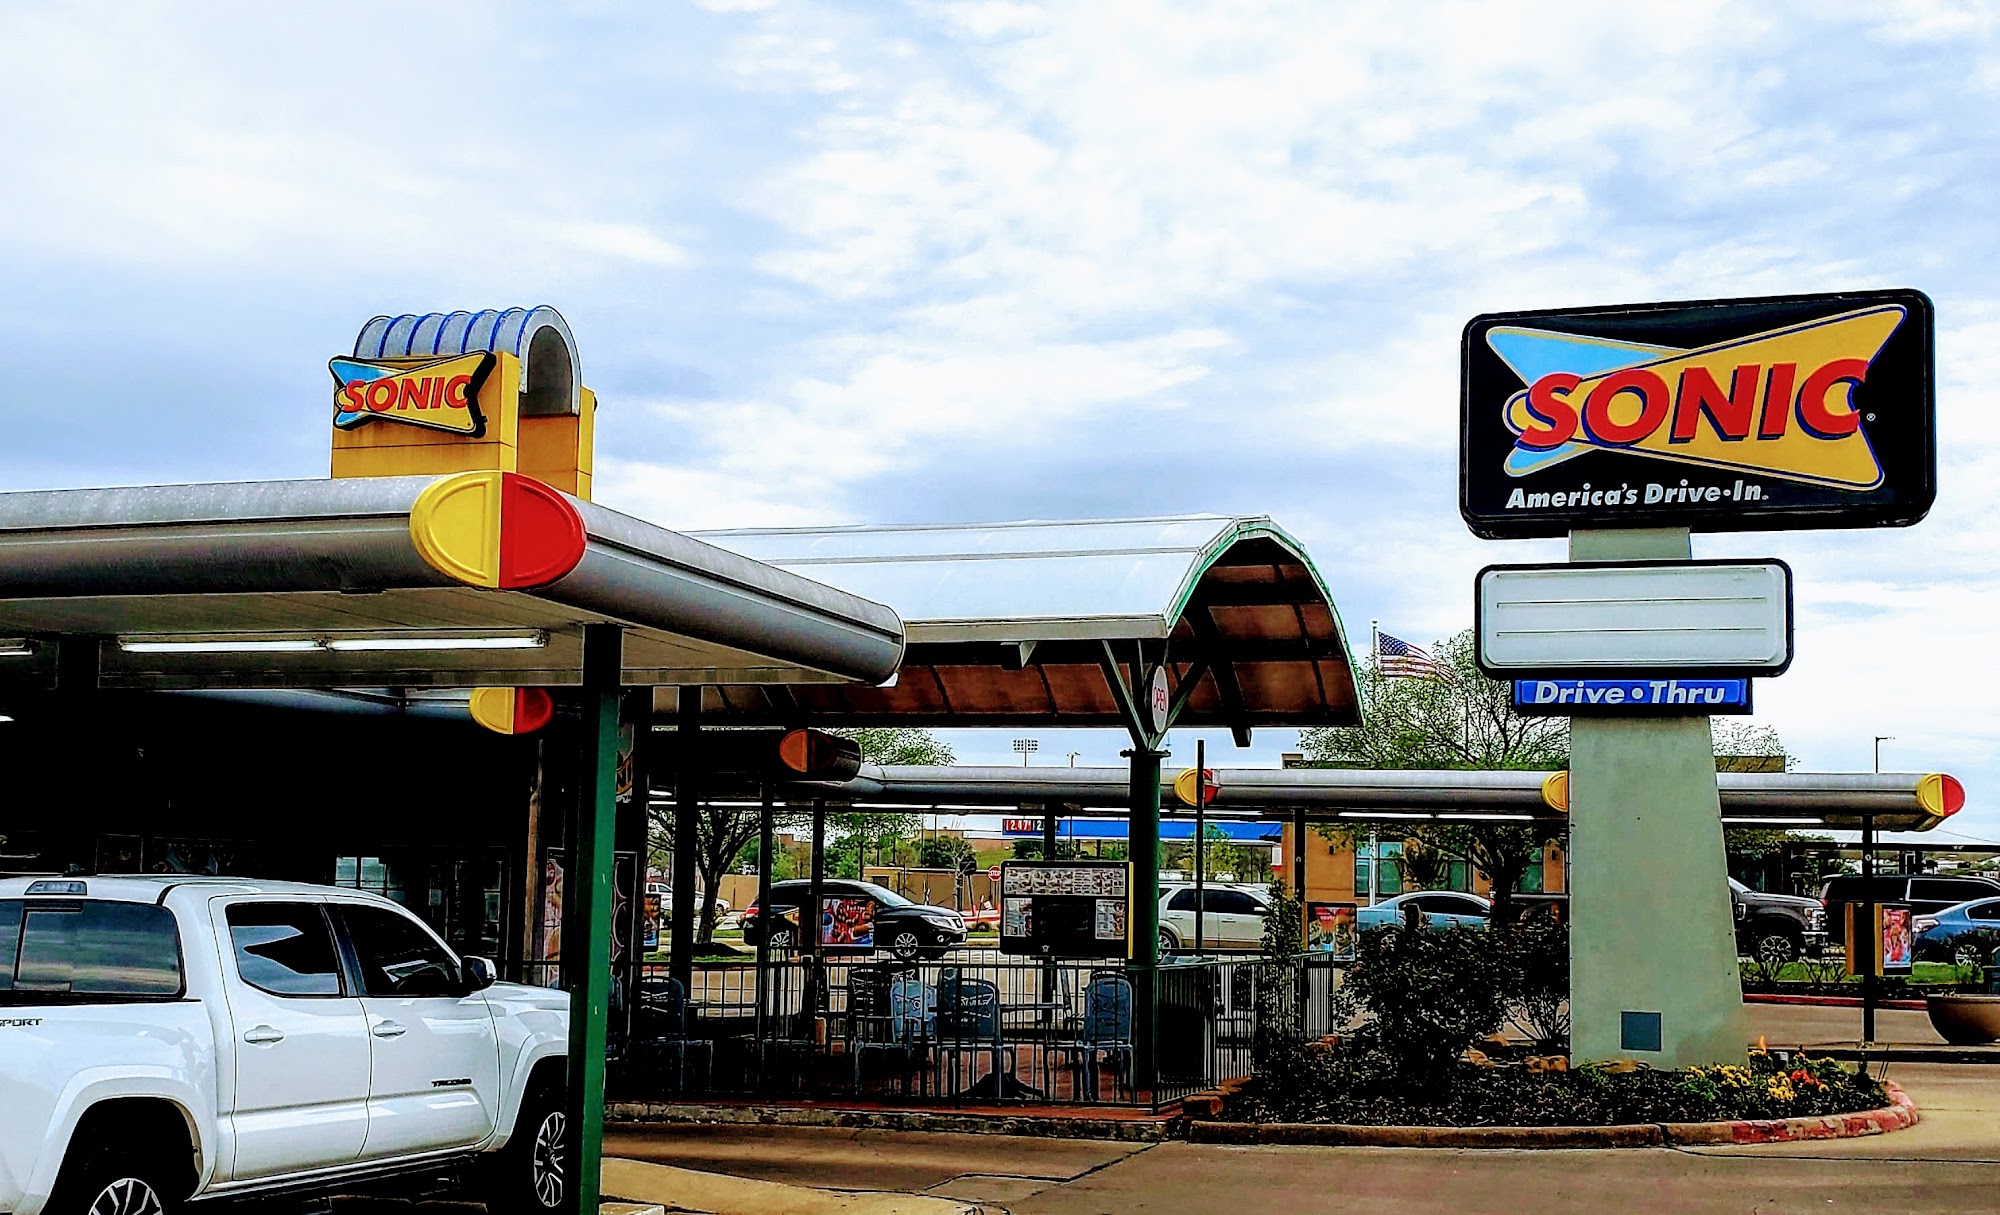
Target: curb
[(1124, 1130), (1830, 1001), (1898, 1114)]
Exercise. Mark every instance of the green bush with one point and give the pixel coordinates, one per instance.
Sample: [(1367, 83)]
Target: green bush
[(1362, 1090), (1428, 993), (1535, 957)]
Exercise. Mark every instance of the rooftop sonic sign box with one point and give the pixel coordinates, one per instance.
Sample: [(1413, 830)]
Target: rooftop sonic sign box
[(1803, 411)]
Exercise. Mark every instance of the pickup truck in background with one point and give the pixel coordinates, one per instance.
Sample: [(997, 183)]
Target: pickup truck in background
[(1776, 929), (164, 1038)]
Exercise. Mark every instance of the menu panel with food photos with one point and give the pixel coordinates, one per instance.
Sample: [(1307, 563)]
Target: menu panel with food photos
[(1066, 909)]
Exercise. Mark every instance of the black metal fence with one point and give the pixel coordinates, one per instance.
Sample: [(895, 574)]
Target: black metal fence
[(971, 1029)]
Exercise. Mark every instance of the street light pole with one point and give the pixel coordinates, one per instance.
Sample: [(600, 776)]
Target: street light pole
[(1879, 740)]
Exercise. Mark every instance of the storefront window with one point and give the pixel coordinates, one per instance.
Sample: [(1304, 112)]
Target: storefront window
[(1389, 879)]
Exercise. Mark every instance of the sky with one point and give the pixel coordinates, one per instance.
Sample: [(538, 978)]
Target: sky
[(967, 262)]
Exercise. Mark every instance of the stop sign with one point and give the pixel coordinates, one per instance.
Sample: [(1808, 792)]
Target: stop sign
[(993, 873)]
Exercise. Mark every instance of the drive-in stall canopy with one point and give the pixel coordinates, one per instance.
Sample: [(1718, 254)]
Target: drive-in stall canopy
[(1010, 624), (298, 584)]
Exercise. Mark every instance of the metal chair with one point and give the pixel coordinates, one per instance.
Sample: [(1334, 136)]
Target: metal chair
[(660, 1027), (886, 1014), (1106, 1029), (968, 1024)]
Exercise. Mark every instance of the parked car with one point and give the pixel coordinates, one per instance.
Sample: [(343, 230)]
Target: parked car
[(1926, 893), (1776, 928), (1232, 916), (1965, 934), (666, 896), (168, 1038), (906, 929), (1440, 908)]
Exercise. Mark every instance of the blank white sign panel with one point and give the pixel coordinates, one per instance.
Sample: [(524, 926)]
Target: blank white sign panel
[(1709, 616)]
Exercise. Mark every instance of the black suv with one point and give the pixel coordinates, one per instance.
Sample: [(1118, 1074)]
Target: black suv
[(1775, 928), (908, 930), (1926, 893)]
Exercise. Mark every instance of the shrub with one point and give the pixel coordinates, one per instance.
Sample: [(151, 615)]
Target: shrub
[(1428, 994), (1535, 954)]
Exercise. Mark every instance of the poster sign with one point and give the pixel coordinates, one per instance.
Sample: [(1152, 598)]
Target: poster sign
[(1332, 928), (1881, 939), (1066, 909), (1809, 411), (846, 923)]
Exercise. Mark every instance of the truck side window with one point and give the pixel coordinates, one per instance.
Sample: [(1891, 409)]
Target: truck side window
[(398, 957), (284, 948), (108, 950)]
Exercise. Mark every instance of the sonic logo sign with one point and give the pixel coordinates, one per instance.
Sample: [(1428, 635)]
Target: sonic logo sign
[(1805, 411), (439, 393)]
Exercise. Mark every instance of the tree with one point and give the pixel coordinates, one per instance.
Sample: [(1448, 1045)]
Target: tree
[(720, 834), (1455, 719), (945, 852), (873, 833)]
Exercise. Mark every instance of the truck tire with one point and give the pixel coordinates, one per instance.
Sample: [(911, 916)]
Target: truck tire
[(1777, 946), (533, 1173), (118, 1179)]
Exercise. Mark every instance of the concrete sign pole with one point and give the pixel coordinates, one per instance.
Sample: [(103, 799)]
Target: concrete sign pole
[(1653, 973)]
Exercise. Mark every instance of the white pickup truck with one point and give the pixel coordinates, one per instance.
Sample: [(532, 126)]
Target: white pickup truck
[(172, 1038)]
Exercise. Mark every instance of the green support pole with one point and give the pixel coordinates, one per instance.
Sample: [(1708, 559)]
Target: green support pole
[(1653, 973), (1145, 856), (587, 909)]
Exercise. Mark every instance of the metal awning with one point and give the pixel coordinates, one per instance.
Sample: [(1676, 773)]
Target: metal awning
[(312, 584), (1896, 801), (1010, 623)]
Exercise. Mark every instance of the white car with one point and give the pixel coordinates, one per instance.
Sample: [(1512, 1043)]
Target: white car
[(1232, 916), (166, 1038), (666, 896)]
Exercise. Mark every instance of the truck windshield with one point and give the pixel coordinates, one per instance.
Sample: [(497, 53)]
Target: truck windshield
[(70, 951)]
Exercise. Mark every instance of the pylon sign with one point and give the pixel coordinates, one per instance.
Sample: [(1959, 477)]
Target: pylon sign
[(1809, 411)]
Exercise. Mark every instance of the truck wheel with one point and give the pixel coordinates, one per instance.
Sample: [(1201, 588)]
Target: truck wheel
[(533, 1173), (116, 1181), (1778, 947)]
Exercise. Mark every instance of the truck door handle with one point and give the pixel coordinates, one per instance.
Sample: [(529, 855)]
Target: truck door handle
[(262, 1035), (387, 1029)]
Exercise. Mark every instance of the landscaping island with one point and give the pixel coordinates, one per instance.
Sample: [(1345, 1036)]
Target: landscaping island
[(1333, 1087)]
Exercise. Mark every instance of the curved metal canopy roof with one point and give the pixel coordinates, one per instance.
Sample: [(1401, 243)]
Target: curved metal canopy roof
[(313, 584), (1009, 623)]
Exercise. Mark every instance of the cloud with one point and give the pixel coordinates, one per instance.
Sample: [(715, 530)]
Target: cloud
[(838, 263)]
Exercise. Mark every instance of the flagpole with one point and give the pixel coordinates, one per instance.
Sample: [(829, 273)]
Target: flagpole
[(1375, 643)]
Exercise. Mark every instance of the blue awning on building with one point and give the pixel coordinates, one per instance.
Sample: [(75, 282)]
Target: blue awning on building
[(1115, 829)]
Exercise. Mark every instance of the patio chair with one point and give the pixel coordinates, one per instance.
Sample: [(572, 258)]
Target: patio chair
[(886, 1014), (968, 1024), (660, 1030), (1106, 1030)]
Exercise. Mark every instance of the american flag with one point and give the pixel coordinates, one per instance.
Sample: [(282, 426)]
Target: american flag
[(1398, 659)]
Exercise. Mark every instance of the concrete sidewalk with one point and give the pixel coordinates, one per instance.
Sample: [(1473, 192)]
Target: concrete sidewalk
[(972, 1168)]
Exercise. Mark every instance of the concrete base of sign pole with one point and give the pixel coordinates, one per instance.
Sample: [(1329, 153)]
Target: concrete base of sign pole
[(1653, 973)]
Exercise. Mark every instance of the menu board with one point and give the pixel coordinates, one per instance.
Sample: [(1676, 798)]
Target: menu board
[(1066, 909)]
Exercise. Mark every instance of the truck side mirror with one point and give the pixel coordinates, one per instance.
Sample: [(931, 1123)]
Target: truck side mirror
[(479, 974)]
